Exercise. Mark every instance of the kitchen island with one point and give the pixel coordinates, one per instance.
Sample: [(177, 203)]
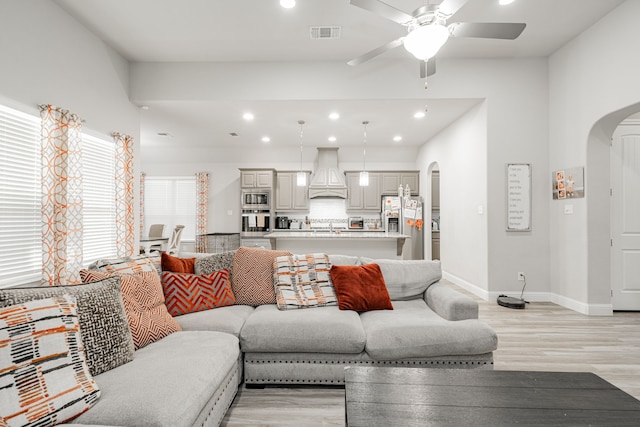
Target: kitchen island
[(372, 244)]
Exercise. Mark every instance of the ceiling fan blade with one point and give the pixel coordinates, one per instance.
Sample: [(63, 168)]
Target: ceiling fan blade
[(427, 68), (375, 52), (449, 7), (495, 30), (384, 10)]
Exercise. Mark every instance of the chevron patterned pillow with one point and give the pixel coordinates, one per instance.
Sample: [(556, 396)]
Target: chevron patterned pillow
[(252, 279), (144, 305), (187, 293)]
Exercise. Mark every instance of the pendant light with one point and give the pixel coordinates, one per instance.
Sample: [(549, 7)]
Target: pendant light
[(364, 175), (301, 179)]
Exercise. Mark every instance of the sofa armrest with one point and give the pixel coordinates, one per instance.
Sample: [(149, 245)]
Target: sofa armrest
[(449, 303)]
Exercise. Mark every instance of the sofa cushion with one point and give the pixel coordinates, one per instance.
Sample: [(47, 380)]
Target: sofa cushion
[(144, 305), (44, 377), (252, 279), (214, 262), (303, 281), (337, 259), (178, 265), (101, 313), (228, 319), (304, 331), (413, 330), (168, 383), (188, 293), (360, 288), (407, 279)]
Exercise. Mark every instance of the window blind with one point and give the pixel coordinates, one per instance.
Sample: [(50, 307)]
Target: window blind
[(171, 201), (20, 198), (98, 210)]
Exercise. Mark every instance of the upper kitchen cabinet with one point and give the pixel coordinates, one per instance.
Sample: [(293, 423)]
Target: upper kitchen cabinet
[(367, 198), (256, 178), (391, 180), (289, 196)]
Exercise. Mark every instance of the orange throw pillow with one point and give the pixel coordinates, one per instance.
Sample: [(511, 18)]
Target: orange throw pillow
[(177, 265), (188, 293), (252, 278), (360, 287), (143, 299)]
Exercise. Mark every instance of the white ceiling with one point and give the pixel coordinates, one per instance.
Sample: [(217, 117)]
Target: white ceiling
[(260, 30)]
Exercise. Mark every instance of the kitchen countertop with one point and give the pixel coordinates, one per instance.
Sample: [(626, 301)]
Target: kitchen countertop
[(341, 236), (322, 234)]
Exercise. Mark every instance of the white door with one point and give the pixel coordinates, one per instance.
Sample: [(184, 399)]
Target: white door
[(625, 219)]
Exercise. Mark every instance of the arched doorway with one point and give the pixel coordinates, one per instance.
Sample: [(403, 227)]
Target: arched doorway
[(599, 218)]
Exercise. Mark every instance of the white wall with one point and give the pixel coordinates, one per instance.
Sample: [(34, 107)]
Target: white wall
[(461, 154), (594, 84), (50, 58)]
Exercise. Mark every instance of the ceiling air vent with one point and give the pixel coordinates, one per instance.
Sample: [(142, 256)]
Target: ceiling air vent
[(325, 32)]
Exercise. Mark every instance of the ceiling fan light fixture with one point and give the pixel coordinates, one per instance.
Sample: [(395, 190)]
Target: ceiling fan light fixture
[(425, 41), (288, 4)]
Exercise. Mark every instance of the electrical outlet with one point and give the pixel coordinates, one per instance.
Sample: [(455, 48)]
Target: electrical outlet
[(520, 275)]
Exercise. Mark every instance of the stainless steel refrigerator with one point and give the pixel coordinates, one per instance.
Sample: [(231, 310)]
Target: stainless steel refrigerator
[(406, 216)]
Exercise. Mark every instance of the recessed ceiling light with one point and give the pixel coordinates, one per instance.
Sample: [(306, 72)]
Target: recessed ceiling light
[(419, 115), (332, 139), (288, 4), (266, 139), (505, 2), (397, 138), (144, 107), (334, 116), (248, 116)]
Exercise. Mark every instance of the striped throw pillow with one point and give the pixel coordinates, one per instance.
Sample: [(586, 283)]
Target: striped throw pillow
[(303, 281), (44, 377)]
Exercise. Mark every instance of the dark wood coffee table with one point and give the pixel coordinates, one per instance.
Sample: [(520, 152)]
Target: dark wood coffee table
[(380, 396)]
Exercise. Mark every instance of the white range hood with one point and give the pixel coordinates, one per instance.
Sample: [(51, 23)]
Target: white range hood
[(327, 180)]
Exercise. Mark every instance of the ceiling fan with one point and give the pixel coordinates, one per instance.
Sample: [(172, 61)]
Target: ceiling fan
[(428, 30)]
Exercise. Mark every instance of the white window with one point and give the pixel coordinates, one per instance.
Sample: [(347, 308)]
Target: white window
[(171, 201), (98, 199), (20, 198), (21, 195)]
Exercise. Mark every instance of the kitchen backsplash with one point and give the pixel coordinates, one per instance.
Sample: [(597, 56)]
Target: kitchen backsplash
[(324, 212)]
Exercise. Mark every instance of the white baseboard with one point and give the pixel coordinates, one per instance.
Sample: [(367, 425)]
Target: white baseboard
[(571, 304)]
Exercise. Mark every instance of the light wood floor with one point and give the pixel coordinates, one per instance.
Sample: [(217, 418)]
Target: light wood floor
[(542, 337)]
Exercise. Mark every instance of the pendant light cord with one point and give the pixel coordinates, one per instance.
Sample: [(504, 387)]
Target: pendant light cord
[(364, 147), (301, 122)]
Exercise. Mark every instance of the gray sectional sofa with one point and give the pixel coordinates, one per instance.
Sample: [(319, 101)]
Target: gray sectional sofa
[(191, 377)]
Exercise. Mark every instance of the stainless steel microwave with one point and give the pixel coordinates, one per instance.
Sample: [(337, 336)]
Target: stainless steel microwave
[(256, 199)]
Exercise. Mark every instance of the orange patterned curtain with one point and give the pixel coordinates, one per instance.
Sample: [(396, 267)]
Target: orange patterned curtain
[(125, 219), (61, 146), (143, 176), (202, 210)]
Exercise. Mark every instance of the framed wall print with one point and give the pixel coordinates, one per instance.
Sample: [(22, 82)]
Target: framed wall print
[(518, 196), (568, 183)]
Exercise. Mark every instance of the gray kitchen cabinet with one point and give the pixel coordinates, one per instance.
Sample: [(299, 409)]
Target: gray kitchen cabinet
[(390, 180), (435, 245), (367, 198), (256, 178), (435, 190), (290, 197)]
